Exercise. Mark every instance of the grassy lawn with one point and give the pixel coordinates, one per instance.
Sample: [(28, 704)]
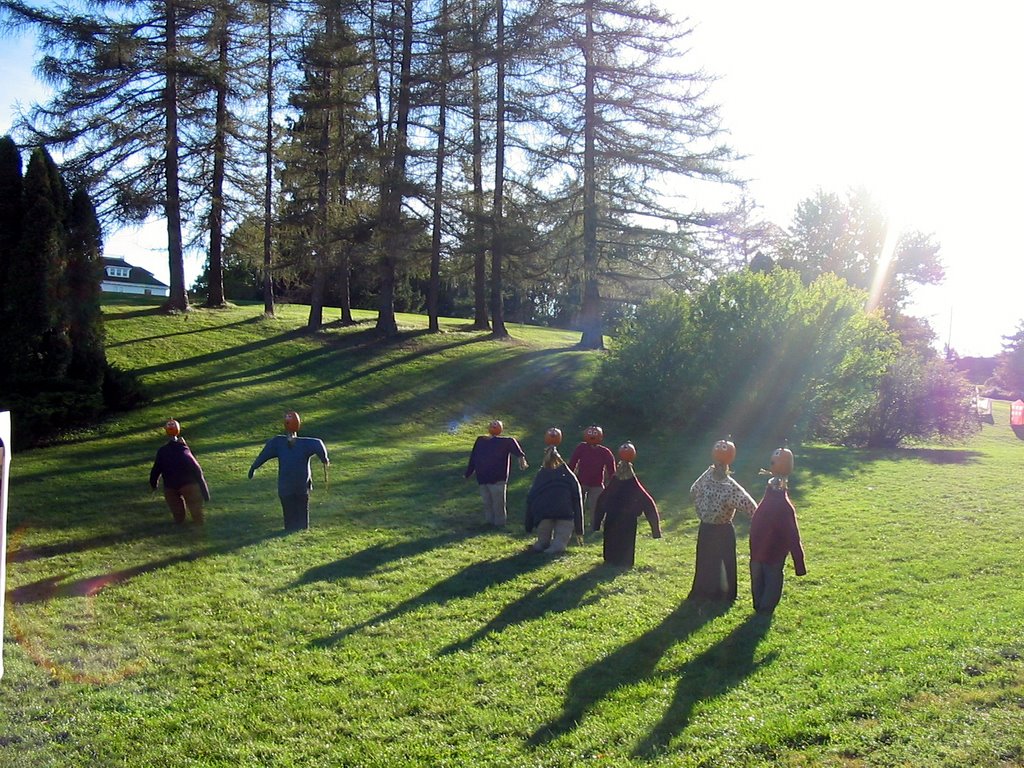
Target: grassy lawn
[(398, 631)]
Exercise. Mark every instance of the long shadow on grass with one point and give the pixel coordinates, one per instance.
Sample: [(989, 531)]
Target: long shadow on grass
[(553, 596), (470, 581), (25, 554), (712, 673), (373, 558), (52, 587), (193, 330), (631, 663)]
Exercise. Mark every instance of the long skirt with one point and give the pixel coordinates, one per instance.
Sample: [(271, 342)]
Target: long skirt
[(714, 577), (620, 539)]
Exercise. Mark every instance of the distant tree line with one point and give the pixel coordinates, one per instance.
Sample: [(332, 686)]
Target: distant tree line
[(55, 374)]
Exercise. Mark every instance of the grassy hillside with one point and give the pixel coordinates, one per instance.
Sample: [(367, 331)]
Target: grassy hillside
[(400, 632)]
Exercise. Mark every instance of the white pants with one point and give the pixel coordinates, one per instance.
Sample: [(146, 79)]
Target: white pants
[(553, 536), (493, 495)]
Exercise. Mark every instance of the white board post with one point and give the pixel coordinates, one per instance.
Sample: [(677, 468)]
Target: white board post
[(5, 465)]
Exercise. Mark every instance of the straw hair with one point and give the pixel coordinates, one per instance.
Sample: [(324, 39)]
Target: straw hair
[(552, 458)]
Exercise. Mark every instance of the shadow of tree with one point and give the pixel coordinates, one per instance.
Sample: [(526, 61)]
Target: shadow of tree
[(470, 581), (24, 554), (553, 596), (712, 673), (632, 662)]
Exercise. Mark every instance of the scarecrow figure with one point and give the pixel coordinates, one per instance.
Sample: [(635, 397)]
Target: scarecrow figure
[(491, 460), (554, 505), (593, 464), (184, 484), (294, 478), (774, 535), (619, 507), (717, 497)]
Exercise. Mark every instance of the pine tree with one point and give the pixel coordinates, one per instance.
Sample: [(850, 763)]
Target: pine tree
[(84, 273)]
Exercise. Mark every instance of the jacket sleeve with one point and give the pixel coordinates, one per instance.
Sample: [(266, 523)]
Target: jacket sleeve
[(650, 511), (321, 452), (577, 506), (609, 465), (155, 472), (796, 547), (471, 467), (265, 454), (197, 472), (528, 520)]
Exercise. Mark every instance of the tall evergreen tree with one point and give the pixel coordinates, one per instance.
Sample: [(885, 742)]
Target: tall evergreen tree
[(84, 273), (37, 277), (11, 214)]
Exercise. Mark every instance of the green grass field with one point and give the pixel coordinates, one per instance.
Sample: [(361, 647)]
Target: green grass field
[(399, 632)]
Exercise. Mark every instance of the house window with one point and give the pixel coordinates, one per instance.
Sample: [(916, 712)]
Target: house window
[(118, 272)]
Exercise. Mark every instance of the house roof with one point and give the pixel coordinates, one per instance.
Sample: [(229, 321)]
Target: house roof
[(136, 276)]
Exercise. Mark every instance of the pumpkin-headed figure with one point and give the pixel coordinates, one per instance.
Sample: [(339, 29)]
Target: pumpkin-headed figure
[(185, 488), (294, 478), (622, 502), (627, 452), (490, 460), (553, 436), (594, 465)]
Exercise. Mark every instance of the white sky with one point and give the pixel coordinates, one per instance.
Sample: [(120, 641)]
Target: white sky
[(920, 102)]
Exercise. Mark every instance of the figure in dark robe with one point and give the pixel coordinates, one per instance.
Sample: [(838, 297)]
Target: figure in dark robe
[(619, 506)]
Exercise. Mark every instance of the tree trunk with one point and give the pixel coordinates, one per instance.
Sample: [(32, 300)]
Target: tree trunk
[(178, 300), (435, 241), (215, 289), (590, 312), (480, 321), (268, 177), (498, 330), (393, 194)]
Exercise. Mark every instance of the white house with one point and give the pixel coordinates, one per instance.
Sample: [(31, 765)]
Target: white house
[(121, 277)]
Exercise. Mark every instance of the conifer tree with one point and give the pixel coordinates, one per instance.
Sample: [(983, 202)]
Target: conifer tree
[(84, 273)]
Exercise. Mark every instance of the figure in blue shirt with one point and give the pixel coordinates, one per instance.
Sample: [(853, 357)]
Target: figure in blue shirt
[(490, 460), (294, 479)]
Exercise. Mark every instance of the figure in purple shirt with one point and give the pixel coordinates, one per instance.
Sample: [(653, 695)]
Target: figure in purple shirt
[(294, 479), (184, 484), (490, 460)]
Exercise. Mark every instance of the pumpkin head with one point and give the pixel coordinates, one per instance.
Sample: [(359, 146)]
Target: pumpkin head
[(172, 428), (292, 422), (593, 435), (553, 436), (495, 428), (627, 452), (723, 452), (781, 463)]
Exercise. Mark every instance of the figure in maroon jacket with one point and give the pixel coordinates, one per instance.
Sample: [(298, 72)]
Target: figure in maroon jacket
[(773, 536), (184, 484), (619, 507), (593, 464)]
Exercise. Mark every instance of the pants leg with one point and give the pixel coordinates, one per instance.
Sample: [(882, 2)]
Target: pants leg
[(590, 494), (493, 495), (175, 503), (544, 530), (193, 498), (766, 581), (560, 539), (296, 511)]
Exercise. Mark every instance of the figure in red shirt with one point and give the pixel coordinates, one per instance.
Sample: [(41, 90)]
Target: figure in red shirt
[(774, 535), (593, 464)]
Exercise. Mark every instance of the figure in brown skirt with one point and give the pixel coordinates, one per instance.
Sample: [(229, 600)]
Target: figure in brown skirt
[(619, 507)]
